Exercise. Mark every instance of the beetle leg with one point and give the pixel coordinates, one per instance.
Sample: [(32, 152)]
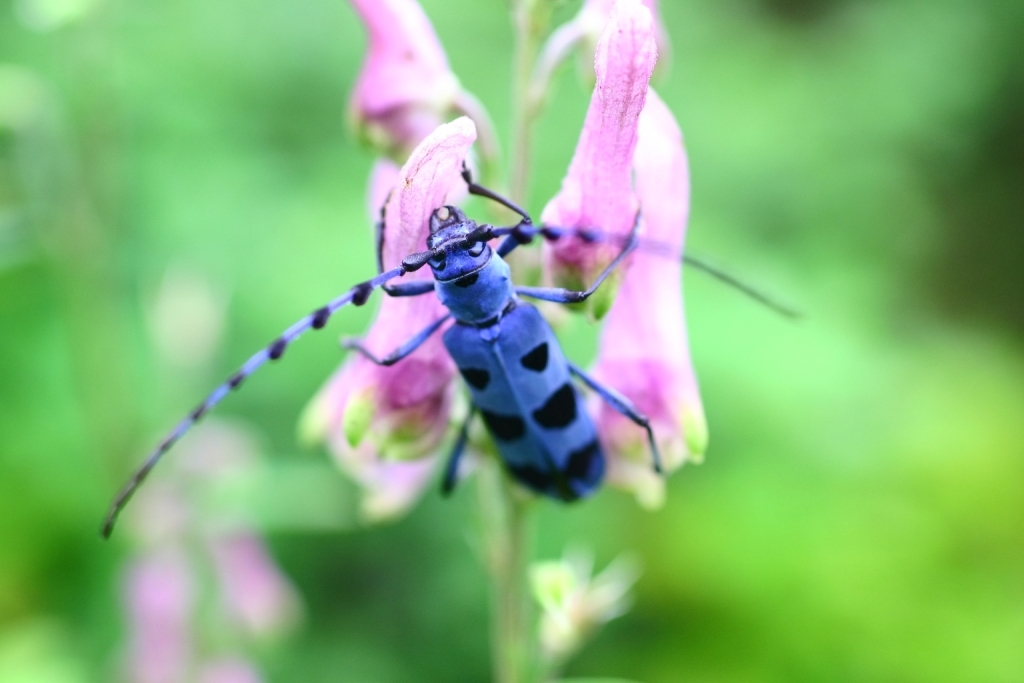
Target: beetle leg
[(451, 470), (402, 351), (624, 407)]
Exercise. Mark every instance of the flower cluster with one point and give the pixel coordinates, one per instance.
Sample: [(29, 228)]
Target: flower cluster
[(385, 424)]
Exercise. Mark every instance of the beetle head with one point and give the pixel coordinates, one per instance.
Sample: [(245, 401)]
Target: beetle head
[(455, 252)]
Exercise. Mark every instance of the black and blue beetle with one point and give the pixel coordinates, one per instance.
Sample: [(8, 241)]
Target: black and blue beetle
[(518, 378)]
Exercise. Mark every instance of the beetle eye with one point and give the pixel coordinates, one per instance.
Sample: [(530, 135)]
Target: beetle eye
[(438, 262), (476, 249)]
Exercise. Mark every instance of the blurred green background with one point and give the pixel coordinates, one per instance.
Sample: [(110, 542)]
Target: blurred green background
[(860, 515)]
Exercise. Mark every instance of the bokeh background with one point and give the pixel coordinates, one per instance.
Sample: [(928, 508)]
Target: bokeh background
[(860, 514)]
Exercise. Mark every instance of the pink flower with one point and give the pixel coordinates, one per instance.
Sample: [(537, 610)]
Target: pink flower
[(643, 350), (160, 603), (253, 589), (384, 424), (597, 190), (406, 87)]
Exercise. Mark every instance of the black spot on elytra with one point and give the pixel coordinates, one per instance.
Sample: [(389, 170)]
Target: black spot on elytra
[(533, 477), (276, 349), (559, 410), (468, 281), (581, 461), (537, 359), (476, 377), (320, 317), (504, 427)]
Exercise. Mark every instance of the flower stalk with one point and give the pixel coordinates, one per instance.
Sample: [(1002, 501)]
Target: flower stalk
[(530, 19), (505, 517)]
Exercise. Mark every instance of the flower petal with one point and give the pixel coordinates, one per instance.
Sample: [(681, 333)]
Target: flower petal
[(643, 350), (597, 191)]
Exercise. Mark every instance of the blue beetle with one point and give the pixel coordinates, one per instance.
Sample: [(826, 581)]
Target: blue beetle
[(518, 378)]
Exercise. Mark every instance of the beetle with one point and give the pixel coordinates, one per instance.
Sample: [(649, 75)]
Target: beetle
[(518, 378)]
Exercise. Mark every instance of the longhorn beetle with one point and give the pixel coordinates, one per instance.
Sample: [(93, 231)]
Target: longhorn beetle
[(518, 378)]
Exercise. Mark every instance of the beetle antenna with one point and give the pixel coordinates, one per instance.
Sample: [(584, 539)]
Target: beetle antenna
[(741, 286), (482, 191), (356, 296), (524, 233)]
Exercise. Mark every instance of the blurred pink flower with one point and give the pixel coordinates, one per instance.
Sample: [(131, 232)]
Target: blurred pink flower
[(384, 424), (643, 349), (597, 190), (160, 602), (253, 589), (406, 87)]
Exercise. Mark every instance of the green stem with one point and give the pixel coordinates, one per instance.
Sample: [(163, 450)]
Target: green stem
[(529, 18), (506, 527)]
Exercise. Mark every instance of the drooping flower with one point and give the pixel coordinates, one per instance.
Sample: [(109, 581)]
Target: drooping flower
[(644, 352), (406, 87), (597, 191), (384, 424)]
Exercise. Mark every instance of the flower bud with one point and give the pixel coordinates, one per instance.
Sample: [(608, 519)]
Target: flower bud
[(574, 604)]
